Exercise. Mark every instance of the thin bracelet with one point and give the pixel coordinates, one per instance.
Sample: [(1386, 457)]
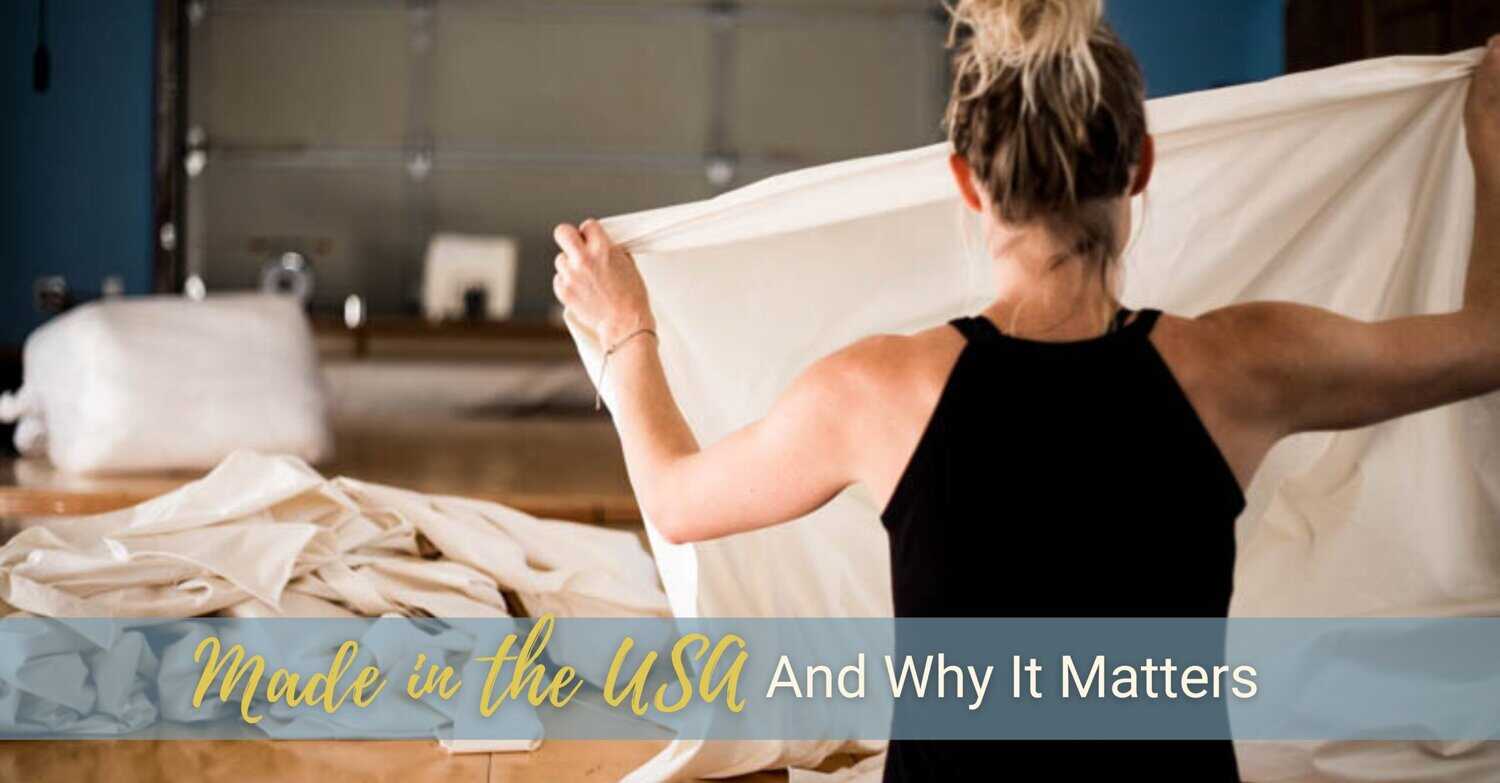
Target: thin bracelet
[(604, 365)]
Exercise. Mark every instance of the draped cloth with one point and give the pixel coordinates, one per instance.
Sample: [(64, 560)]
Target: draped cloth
[(267, 536), (1347, 188)]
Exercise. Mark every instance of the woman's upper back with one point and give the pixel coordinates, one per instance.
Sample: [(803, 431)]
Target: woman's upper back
[(1056, 479)]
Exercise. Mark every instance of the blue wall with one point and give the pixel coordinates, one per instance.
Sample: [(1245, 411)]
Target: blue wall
[(1187, 45), (75, 162)]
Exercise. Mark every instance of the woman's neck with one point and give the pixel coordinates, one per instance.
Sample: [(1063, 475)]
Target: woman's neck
[(1040, 298)]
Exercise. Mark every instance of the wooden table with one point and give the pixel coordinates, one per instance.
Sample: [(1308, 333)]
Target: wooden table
[(564, 467), (387, 336), (291, 761)]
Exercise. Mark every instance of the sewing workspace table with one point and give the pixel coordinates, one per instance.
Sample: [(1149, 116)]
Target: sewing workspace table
[(252, 761), (558, 467), (558, 464), (552, 467)]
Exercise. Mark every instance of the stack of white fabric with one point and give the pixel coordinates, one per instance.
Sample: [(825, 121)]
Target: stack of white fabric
[(1347, 188), (111, 385), (269, 537)]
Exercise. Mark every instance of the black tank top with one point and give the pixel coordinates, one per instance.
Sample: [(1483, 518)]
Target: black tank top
[(1063, 480)]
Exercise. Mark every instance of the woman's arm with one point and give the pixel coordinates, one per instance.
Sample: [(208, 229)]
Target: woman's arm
[(777, 469), (1302, 368)]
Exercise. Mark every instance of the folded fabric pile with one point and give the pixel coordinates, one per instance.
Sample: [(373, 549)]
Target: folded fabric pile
[(267, 536)]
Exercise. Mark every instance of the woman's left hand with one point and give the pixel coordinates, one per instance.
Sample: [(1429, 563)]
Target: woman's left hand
[(598, 283)]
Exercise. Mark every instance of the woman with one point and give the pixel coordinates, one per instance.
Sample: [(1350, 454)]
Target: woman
[(1056, 455)]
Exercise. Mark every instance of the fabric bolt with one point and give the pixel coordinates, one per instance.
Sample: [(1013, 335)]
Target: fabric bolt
[(108, 385), (1347, 188), (265, 536)]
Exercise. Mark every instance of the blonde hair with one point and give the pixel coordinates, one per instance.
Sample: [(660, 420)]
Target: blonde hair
[(1048, 109)]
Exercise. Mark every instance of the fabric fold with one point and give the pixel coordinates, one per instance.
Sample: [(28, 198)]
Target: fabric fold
[(264, 536)]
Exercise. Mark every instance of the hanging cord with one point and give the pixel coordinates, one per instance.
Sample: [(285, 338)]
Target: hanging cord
[(41, 60), (604, 365)]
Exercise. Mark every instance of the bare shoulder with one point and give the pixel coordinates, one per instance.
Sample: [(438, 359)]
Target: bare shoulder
[(882, 387), (1256, 344), (881, 367), (1251, 337), (877, 395), (1259, 327), (1206, 342), (1221, 358), (1228, 363)]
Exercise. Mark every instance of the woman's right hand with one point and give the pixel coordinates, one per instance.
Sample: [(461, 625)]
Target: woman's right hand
[(598, 283), (1482, 117)]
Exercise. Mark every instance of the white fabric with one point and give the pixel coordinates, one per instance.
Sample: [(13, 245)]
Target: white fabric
[(865, 770), (66, 682), (166, 382), (1347, 188), (268, 537)]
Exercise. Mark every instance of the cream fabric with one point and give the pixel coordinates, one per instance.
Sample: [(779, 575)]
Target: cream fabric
[(64, 681), (1347, 188), (268, 537)]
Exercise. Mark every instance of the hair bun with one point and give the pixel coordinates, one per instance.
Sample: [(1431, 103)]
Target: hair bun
[(1027, 36)]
